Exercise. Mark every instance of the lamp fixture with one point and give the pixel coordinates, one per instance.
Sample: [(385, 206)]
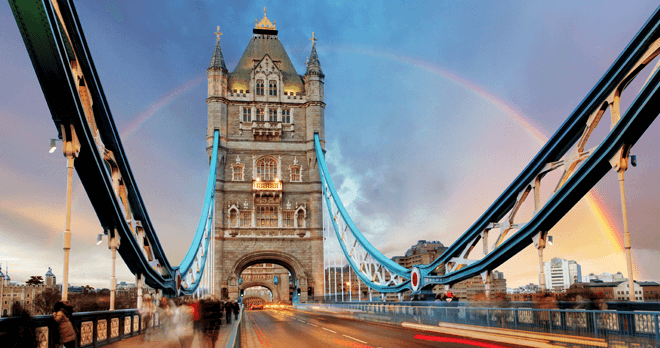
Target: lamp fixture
[(99, 239), (549, 240), (53, 146)]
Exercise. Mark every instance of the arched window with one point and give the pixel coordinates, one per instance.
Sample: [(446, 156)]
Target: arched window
[(260, 87), (267, 168), (272, 87)]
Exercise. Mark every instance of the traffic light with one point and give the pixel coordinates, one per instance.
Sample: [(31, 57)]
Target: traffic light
[(242, 292), (298, 291)]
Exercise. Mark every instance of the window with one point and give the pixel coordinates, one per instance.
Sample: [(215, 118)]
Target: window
[(260, 114), (286, 115), (295, 174), (233, 218), (272, 87), (266, 216), (237, 172), (266, 169), (260, 87), (287, 219), (246, 219), (272, 115), (247, 115)]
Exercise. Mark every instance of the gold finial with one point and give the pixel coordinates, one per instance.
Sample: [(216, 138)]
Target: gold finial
[(264, 23), (314, 39), (217, 34)]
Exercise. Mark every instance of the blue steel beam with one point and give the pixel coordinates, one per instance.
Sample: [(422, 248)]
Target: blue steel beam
[(626, 132), (55, 40)]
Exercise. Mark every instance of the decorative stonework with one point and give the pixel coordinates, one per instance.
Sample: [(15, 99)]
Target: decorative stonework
[(127, 325), (114, 327), (102, 330), (266, 233), (42, 336), (86, 333)]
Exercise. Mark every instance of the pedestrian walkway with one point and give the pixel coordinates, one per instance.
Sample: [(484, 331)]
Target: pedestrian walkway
[(159, 338)]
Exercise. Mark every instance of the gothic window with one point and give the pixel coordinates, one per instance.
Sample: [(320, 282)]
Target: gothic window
[(272, 115), (246, 219), (287, 219), (237, 172), (272, 87), (260, 114), (247, 115), (295, 174), (267, 168), (266, 216), (260, 87), (286, 115)]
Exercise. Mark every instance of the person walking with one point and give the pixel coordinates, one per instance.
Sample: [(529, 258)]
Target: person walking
[(228, 309), (67, 333), (211, 316), (237, 309)]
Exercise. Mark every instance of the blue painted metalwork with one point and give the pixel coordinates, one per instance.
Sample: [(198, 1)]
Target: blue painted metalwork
[(204, 227), (55, 41), (643, 110), (373, 252)]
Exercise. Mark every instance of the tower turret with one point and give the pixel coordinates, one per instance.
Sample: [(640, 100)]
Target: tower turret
[(2, 277), (217, 95), (50, 278), (316, 107)]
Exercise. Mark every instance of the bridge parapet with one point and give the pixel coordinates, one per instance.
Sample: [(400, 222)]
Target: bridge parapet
[(95, 328)]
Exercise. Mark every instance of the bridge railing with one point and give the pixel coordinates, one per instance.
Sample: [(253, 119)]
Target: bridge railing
[(94, 329), (637, 327)]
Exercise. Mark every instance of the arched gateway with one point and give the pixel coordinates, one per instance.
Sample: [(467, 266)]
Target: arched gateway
[(268, 189)]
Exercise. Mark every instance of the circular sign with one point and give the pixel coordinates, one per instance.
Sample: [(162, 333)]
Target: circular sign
[(415, 279)]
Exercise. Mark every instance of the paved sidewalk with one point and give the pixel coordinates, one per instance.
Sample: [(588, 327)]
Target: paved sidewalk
[(160, 339)]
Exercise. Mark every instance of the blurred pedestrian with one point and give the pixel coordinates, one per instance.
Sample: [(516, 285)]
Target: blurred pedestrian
[(211, 316), (147, 311), (67, 333), (236, 308), (228, 310), (183, 325), (20, 330)]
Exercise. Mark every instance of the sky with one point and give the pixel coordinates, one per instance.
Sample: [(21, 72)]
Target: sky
[(433, 108)]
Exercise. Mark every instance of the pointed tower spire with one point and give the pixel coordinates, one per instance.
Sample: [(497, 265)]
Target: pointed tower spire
[(218, 61), (313, 63)]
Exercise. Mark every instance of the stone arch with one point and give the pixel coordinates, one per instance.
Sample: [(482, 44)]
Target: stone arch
[(273, 289), (288, 261)]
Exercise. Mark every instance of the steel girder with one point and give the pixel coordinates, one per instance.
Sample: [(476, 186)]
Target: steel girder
[(582, 169), (63, 64)]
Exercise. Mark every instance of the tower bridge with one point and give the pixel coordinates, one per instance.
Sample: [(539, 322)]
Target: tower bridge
[(269, 185)]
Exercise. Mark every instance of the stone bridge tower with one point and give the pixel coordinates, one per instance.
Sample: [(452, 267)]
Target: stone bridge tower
[(268, 189)]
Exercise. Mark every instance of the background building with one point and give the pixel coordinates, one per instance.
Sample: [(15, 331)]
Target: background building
[(21, 294), (560, 274)]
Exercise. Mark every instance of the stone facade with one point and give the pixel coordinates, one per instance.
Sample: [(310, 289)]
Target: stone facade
[(12, 293), (268, 188)]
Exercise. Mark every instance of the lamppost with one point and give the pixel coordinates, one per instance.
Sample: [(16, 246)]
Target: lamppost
[(113, 244), (71, 149)]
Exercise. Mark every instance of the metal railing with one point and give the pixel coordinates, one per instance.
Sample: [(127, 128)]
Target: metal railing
[(626, 327), (94, 329)]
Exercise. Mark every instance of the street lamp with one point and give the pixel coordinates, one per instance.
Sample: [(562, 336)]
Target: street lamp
[(53, 146), (71, 149), (113, 244), (99, 239)]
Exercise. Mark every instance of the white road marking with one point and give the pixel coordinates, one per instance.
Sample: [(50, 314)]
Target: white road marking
[(312, 324), (329, 330), (353, 338)]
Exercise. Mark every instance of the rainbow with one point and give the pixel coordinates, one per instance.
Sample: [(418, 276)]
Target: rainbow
[(603, 217), (165, 100)]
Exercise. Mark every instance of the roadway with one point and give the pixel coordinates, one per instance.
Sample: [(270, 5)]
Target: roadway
[(289, 328)]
